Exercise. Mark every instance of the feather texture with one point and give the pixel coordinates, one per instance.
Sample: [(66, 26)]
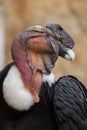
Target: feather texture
[(70, 104)]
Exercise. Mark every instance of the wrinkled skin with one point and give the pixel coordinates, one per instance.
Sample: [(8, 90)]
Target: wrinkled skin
[(35, 51)]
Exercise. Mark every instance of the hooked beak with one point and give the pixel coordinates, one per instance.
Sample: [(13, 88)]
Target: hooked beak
[(66, 52)]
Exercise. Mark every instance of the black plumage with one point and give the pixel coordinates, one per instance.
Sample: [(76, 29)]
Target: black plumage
[(38, 117), (70, 104), (61, 107)]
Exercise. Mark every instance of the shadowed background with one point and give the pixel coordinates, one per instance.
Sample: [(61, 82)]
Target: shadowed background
[(70, 14)]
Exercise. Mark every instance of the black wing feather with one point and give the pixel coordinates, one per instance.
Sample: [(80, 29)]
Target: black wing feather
[(70, 104)]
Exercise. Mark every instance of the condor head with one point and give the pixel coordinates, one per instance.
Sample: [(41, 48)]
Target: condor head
[(35, 51)]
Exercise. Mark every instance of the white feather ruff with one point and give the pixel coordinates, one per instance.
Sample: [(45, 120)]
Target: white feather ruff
[(50, 79), (14, 91)]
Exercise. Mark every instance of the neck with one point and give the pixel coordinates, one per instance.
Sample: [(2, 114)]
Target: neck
[(15, 93)]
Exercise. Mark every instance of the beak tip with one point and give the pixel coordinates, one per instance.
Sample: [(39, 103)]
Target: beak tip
[(70, 55)]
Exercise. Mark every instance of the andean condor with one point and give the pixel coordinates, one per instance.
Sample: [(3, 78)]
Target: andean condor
[(26, 103)]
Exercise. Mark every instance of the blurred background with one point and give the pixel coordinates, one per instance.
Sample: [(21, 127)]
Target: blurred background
[(16, 15)]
